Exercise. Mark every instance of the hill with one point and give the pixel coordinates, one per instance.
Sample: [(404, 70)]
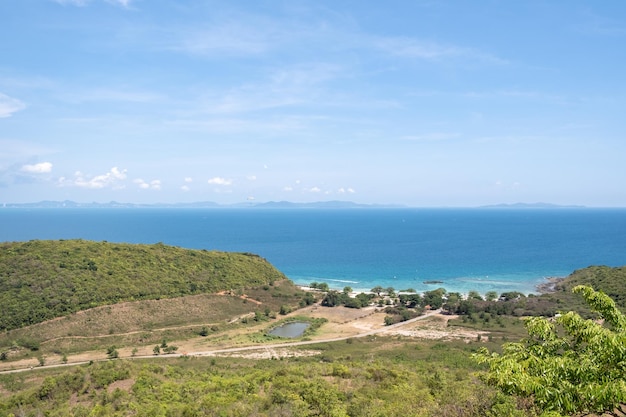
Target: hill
[(41, 280)]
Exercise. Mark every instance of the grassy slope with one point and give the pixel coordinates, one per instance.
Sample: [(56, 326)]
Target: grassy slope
[(366, 377), (41, 280), (611, 281)]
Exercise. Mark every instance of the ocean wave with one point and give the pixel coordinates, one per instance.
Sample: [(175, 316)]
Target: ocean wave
[(342, 280)]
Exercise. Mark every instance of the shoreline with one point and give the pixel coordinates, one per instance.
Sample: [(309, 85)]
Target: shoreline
[(550, 285), (547, 286)]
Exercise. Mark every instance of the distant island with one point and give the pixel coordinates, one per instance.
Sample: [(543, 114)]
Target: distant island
[(531, 206), (202, 204), (335, 204)]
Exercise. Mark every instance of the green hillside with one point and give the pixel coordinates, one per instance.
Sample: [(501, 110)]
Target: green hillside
[(611, 281), (41, 280)]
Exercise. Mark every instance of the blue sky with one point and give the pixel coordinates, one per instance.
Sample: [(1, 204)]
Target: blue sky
[(423, 103)]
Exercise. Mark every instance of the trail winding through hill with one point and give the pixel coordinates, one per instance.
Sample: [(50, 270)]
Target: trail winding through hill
[(216, 352)]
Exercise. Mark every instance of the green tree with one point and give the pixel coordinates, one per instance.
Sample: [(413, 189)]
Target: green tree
[(568, 364), (377, 290), (156, 350), (347, 290), (491, 296), (391, 292), (474, 295), (434, 298), (112, 352)]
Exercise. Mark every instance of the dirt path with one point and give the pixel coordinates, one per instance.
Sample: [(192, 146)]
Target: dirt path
[(338, 330), (342, 324)]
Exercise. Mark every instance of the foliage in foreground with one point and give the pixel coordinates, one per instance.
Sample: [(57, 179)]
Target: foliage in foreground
[(358, 378), (583, 370), (41, 280)]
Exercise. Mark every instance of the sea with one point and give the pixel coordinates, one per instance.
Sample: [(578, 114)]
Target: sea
[(421, 249)]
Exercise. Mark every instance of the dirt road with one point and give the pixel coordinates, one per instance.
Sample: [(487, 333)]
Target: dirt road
[(264, 347)]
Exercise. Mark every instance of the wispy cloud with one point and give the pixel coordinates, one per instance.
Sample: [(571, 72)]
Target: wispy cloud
[(72, 2), (123, 3), (431, 137), (231, 37), (220, 181), (81, 3), (110, 179), (40, 168), (113, 94), (145, 185), (410, 47), (302, 84), (9, 105)]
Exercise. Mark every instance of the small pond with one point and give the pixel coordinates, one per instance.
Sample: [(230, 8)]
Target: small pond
[(295, 329)]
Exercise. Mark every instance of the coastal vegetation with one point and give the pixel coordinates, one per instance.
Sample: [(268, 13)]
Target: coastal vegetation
[(569, 364), (42, 280), (152, 302), (362, 377)]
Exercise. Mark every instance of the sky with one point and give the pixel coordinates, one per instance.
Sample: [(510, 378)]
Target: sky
[(424, 103)]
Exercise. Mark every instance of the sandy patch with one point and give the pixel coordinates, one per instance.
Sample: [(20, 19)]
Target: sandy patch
[(271, 353), (124, 385), (436, 328)]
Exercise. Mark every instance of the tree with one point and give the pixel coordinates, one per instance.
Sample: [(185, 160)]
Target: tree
[(474, 295), (567, 364), (377, 290), (332, 299), (434, 298), (112, 352), (156, 350), (347, 290), (491, 296)]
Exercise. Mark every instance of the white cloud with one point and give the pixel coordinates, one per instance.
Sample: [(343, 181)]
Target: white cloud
[(110, 179), (9, 105), (123, 3), (288, 188), (185, 188), (80, 3), (220, 181), (152, 185), (315, 190), (73, 2), (233, 37), (40, 168), (188, 179), (431, 137), (251, 177), (415, 48), (348, 190)]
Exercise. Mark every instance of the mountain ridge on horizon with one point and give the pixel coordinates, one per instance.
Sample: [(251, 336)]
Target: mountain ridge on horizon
[(331, 204)]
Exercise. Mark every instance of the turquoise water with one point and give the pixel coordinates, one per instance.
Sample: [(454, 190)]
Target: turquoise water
[(479, 249)]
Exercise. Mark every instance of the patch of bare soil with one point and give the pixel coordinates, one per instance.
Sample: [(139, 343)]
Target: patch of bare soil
[(123, 385), (436, 328), (271, 353), (343, 321)]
